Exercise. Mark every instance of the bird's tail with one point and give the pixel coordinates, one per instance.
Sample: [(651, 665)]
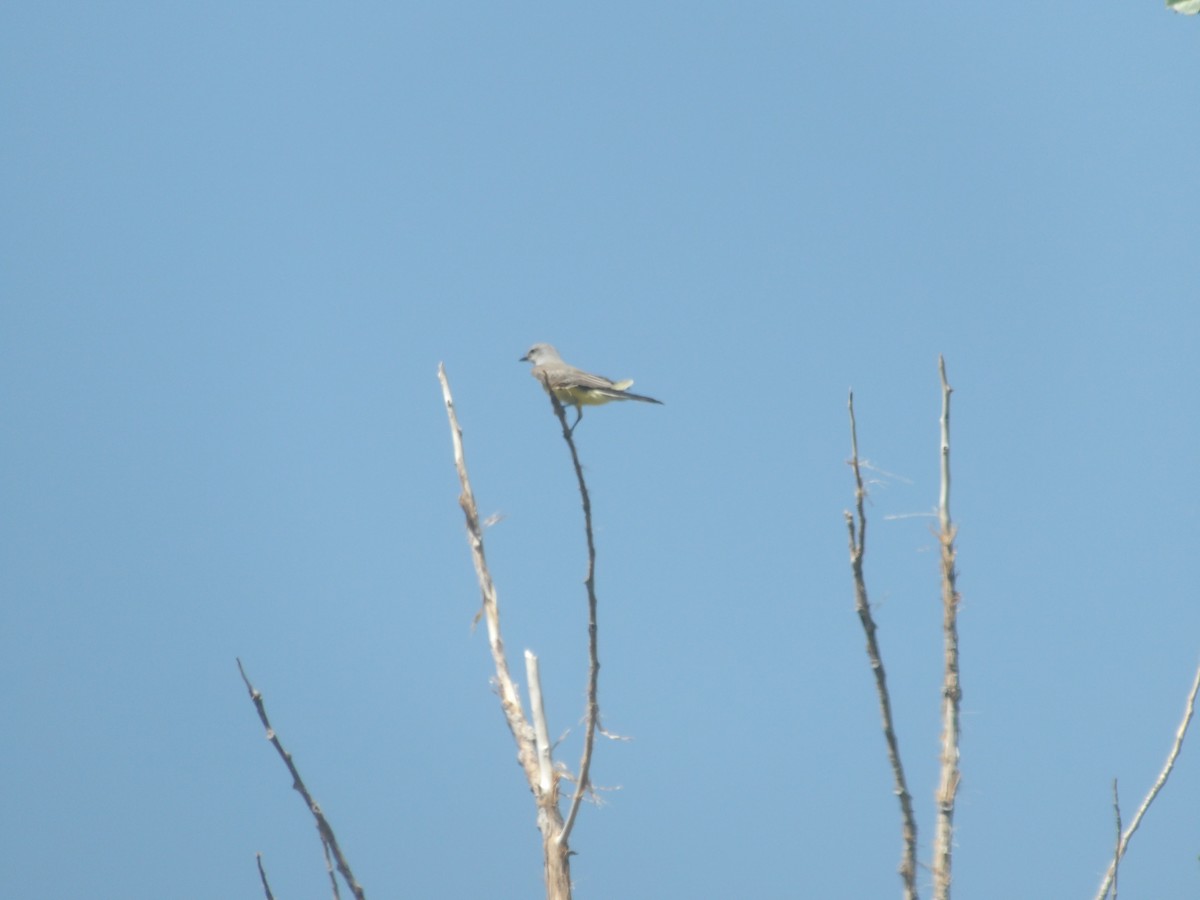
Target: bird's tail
[(641, 397), (624, 386)]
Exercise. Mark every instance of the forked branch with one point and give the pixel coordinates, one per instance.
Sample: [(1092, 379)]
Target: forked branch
[(1109, 882), (858, 538), (542, 782), (328, 839)]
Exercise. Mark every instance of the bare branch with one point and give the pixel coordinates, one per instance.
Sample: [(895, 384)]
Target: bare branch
[(262, 876), (556, 854), (951, 686), (592, 717), (1180, 734), (323, 827), (510, 698), (1117, 849), (908, 860), (333, 885)]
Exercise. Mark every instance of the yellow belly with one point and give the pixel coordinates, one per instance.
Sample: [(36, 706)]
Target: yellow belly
[(579, 396)]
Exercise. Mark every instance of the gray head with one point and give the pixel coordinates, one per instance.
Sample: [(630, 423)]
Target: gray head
[(540, 354)]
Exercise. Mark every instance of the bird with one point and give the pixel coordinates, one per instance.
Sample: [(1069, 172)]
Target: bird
[(576, 387)]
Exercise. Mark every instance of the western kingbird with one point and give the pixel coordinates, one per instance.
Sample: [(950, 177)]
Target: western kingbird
[(576, 387)]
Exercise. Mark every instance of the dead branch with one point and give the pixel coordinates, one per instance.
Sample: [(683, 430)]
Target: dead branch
[(1180, 733), (951, 687), (908, 823), (328, 839), (262, 876), (556, 853), (592, 716)]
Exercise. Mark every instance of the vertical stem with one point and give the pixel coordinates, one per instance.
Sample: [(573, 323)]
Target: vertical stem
[(858, 544), (951, 687), (592, 716)]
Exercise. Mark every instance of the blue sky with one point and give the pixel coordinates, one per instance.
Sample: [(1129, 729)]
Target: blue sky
[(237, 242)]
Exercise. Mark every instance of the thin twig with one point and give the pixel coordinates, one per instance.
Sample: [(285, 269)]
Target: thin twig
[(333, 885), (951, 685), (908, 859), (262, 876), (323, 827), (592, 717), (1180, 734), (1117, 848)]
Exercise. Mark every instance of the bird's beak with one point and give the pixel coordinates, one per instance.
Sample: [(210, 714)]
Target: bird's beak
[(524, 358)]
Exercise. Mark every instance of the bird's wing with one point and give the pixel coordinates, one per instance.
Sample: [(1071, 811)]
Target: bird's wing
[(565, 376)]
